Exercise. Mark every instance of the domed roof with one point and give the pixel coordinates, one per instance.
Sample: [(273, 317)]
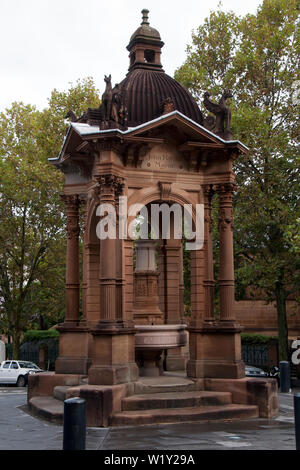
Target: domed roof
[(145, 32), (145, 91), (146, 87)]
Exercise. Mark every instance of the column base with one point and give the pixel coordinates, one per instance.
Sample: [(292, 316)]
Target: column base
[(216, 368), (73, 350), (72, 365), (113, 360), (215, 351), (113, 375)]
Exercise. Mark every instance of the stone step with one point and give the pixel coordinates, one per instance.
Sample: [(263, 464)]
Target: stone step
[(48, 408), (183, 415), (175, 400), (165, 384), (60, 391)]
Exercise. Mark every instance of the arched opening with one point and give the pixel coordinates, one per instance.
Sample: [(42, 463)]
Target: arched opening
[(149, 56), (158, 289)]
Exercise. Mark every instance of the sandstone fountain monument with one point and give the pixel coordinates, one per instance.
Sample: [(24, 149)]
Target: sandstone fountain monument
[(122, 343)]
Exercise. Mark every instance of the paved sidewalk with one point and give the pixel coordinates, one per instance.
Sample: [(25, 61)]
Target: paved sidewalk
[(20, 431)]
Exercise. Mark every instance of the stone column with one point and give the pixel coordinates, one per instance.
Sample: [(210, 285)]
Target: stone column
[(72, 261), (84, 202), (209, 283), (174, 294), (113, 360), (109, 187), (73, 341), (215, 346), (226, 268)]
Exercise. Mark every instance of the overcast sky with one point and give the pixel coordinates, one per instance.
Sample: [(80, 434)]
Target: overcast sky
[(47, 44)]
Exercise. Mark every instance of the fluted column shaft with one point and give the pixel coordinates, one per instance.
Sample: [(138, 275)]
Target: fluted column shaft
[(84, 202), (72, 262), (226, 268), (209, 283), (110, 188)]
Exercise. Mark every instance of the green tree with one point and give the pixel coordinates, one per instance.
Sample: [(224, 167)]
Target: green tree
[(257, 56), (32, 223)]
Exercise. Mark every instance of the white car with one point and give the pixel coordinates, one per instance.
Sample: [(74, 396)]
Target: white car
[(16, 372)]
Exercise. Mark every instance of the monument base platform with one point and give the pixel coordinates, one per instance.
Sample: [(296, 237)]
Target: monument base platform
[(169, 398)]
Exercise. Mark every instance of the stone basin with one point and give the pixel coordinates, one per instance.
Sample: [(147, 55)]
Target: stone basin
[(151, 340)]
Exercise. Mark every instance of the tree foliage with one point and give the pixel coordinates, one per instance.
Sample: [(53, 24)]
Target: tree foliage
[(32, 225), (257, 57)]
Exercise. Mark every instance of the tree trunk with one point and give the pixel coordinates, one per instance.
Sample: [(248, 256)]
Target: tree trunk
[(16, 340), (282, 321)]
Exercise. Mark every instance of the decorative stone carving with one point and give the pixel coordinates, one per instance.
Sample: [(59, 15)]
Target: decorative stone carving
[(165, 190), (72, 206), (112, 109), (71, 115), (146, 301), (168, 105), (73, 229), (225, 192), (222, 115), (115, 184), (118, 110), (106, 100)]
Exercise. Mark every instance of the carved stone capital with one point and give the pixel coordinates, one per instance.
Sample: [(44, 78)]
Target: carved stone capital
[(225, 192), (72, 209), (225, 189), (110, 186), (208, 191), (73, 229), (71, 201)]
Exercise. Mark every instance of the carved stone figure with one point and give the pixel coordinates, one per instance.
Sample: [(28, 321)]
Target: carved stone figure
[(107, 99), (118, 109), (113, 107), (71, 115), (116, 103), (222, 113)]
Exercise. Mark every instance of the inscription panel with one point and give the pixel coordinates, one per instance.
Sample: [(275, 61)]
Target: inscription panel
[(164, 158)]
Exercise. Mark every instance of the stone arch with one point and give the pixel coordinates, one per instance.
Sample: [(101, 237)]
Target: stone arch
[(163, 192)]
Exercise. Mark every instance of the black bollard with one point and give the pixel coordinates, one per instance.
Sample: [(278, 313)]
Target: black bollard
[(74, 424), (285, 377), (297, 419)]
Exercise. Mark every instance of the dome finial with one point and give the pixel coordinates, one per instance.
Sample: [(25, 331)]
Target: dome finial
[(145, 16)]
